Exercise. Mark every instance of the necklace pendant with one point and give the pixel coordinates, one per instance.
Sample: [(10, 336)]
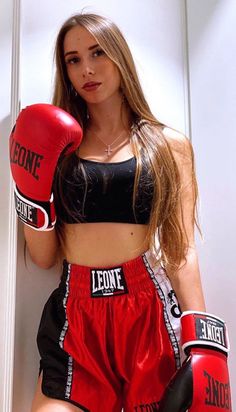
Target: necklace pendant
[(108, 150)]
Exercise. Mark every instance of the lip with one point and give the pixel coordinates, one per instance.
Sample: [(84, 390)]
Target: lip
[(91, 86)]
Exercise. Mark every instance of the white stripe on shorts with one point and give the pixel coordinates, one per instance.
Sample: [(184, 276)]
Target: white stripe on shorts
[(171, 309)]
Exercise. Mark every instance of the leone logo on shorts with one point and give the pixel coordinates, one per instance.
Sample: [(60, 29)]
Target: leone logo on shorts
[(108, 282)]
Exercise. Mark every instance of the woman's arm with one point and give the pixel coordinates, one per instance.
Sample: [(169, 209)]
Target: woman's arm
[(186, 281), (187, 284), (203, 336), (43, 246)]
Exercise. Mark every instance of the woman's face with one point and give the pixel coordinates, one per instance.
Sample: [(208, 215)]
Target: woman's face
[(87, 62)]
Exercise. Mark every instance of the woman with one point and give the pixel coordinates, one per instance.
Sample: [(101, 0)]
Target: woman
[(126, 206)]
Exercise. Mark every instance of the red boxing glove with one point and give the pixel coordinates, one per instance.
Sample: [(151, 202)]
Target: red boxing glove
[(41, 134), (202, 383)]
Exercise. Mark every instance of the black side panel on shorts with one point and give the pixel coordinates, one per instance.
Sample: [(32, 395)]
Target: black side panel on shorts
[(54, 360), (56, 363)]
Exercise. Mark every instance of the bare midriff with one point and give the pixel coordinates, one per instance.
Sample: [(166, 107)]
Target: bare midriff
[(103, 244), (107, 243)]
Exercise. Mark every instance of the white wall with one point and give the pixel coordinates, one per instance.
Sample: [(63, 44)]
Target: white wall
[(5, 112), (212, 58), (7, 274), (159, 48)]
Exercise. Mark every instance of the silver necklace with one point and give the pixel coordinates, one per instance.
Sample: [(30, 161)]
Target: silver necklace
[(108, 149)]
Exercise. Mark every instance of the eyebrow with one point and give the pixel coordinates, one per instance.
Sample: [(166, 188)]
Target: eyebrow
[(75, 51)]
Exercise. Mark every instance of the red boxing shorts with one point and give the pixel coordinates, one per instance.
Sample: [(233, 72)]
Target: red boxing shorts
[(109, 337)]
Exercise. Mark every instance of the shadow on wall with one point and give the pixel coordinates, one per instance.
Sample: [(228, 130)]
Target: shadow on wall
[(200, 23), (5, 130), (33, 287)]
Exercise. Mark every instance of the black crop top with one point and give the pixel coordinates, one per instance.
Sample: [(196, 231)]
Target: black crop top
[(108, 194)]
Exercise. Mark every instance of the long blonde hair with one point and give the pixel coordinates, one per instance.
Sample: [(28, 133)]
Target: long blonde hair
[(165, 232)]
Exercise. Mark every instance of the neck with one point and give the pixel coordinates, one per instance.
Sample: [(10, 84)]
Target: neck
[(109, 117)]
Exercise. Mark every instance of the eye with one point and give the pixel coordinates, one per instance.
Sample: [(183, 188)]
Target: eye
[(72, 60), (98, 52)]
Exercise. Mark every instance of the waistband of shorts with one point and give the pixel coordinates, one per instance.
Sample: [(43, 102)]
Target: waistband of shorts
[(137, 273)]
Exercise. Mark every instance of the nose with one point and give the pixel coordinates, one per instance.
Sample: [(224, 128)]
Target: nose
[(87, 69)]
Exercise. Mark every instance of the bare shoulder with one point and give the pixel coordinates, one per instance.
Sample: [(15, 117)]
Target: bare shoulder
[(180, 144), (176, 139)]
